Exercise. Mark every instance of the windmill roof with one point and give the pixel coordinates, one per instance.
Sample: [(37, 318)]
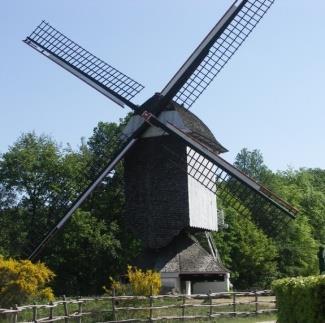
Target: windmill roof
[(198, 129), (184, 255), (185, 120)]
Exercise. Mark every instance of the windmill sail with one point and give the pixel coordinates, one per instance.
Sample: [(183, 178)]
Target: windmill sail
[(232, 186), (215, 51), (95, 72)]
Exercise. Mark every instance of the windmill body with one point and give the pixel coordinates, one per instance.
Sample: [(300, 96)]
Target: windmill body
[(162, 199), (173, 168), (165, 205)]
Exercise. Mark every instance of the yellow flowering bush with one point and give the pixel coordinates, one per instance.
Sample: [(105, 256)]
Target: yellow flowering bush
[(22, 281), (141, 283), (144, 282)]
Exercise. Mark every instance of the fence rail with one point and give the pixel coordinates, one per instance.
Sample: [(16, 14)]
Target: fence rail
[(114, 309)]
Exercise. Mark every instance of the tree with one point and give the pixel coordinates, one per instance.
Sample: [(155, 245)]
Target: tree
[(84, 254), (252, 164), (249, 254), (41, 179), (306, 190), (296, 244), (297, 250)]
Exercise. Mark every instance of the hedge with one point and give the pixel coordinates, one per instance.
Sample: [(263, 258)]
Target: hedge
[(300, 299)]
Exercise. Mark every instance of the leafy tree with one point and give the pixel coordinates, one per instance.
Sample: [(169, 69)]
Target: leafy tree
[(291, 252), (297, 245), (247, 252), (8, 231), (304, 188), (297, 250), (252, 164), (84, 254), (41, 180)]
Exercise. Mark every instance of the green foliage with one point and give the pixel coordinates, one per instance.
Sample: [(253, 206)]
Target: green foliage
[(300, 299), (305, 189), (39, 179), (255, 259), (86, 251), (249, 254), (297, 250), (252, 164), (321, 259), (23, 281)]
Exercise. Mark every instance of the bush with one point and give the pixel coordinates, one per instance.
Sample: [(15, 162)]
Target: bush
[(141, 283), (300, 299), (22, 281), (144, 282)]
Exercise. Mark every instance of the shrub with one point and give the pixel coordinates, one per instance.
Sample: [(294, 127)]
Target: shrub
[(300, 299), (144, 282), (141, 283), (22, 281)]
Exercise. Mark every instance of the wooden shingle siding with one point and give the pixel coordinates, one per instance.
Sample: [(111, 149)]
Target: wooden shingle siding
[(157, 207)]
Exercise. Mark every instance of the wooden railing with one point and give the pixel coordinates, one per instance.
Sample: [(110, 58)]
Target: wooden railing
[(144, 308)]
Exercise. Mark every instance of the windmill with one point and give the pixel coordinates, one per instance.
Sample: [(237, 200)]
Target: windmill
[(173, 168)]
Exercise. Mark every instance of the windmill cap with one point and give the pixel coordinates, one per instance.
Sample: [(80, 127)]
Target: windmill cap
[(198, 129), (182, 119)]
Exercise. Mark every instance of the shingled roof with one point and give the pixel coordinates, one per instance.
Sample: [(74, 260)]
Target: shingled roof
[(184, 255), (198, 129)]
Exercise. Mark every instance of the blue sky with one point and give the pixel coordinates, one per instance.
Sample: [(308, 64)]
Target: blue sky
[(270, 96)]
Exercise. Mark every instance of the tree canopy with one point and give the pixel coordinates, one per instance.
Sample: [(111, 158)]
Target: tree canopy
[(39, 179)]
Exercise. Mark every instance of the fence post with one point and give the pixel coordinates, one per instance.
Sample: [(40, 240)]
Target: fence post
[(234, 303), (183, 308), (256, 302), (66, 312), (15, 316), (150, 304), (210, 303), (113, 304), (34, 312), (79, 310), (51, 310)]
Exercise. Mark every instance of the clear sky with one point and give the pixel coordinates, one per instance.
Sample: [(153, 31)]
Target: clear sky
[(270, 96)]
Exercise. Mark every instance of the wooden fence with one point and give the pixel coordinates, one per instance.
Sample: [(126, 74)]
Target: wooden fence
[(144, 308)]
